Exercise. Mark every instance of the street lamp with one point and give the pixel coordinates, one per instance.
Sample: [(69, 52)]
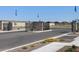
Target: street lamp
[(42, 25), (76, 24), (41, 22)]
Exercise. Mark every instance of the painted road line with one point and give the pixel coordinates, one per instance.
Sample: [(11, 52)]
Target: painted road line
[(32, 43), (61, 35)]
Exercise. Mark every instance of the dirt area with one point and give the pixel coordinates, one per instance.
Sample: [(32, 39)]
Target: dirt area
[(74, 34), (69, 49), (67, 38)]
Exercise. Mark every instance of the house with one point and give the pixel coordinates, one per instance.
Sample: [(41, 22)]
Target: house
[(39, 25), (6, 25), (51, 25)]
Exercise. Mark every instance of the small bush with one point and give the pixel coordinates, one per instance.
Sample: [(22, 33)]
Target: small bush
[(49, 40), (43, 42), (56, 40), (33, 45), (61, 40), (24, 47), (69, 50), (73, 47)]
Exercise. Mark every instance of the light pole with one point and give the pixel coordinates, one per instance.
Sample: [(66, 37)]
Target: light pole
[(42, 23), (76, 24)]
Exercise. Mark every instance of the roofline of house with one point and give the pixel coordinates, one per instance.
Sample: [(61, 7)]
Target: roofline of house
[(14, 20)]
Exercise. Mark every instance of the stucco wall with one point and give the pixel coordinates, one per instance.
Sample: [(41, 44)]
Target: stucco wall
[(18, 25)]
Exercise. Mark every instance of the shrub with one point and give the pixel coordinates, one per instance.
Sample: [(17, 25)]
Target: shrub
[(49, 40), (73, 47), (24, 47), (61, 40), (43, 42), (33, 45), (69, 50)]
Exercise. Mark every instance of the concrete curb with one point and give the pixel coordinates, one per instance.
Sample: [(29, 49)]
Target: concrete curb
[(11, 31), (24, 30), (42, 31)]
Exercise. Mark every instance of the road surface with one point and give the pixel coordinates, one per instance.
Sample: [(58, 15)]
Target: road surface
[(10, 40)]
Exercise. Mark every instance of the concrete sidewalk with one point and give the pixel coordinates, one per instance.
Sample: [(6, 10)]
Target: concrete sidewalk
[(52, 47), (11, 31), (76, 41)]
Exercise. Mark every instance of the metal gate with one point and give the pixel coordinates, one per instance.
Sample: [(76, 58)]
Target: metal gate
[(7, 26)]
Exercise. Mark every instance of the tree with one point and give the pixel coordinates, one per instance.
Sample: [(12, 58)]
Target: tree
[(9, 27)]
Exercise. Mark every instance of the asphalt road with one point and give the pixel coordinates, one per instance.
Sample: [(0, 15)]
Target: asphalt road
[(10, 40)]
